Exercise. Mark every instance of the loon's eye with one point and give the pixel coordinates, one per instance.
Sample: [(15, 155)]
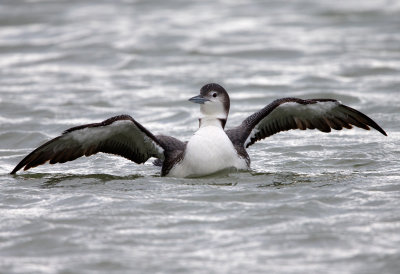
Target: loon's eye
[(214, 94)]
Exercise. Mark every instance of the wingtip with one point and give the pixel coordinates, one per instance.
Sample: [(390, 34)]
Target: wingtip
[(16, 169), (368, 121), (378, 128), (20, 165)]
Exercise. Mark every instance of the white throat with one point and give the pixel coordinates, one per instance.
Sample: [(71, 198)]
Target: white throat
[(211, 121), (212, 115)]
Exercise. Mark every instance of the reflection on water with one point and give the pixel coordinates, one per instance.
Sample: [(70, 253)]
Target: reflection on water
[(78, 180)]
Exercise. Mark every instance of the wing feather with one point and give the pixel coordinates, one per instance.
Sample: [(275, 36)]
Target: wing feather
[(119, 135), (293, 113)]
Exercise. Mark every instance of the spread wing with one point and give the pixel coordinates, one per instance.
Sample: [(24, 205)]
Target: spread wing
[(293, 113), (120, 135)]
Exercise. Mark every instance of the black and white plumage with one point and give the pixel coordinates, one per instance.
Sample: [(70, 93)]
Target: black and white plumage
[(120, 135), (211, 148)]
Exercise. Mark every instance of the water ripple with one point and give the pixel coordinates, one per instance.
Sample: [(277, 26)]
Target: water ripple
[(312, 202)]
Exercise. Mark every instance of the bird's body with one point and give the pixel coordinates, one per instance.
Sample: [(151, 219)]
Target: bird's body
[(211, 148)]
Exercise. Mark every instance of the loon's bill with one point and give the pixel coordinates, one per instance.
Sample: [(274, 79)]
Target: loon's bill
[(211, 148)]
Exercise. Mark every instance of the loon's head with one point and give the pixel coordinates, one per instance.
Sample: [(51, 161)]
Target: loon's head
[(214, 102)]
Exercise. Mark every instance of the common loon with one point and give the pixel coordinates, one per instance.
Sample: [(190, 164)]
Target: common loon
[(211, 148)]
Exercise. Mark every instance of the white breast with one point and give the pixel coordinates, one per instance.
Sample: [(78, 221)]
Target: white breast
[(208, 151)]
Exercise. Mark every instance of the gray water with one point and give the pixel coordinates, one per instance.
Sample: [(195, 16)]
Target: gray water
[(312, 203)]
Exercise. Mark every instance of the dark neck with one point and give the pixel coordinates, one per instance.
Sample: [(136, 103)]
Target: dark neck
[(223, 122)]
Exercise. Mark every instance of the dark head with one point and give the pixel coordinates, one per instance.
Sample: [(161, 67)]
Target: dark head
[(214, 101)]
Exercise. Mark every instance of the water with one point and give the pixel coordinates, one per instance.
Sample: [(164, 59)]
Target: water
[(312, 203)]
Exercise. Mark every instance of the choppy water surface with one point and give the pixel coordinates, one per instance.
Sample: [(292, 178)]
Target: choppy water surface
[(313, 202)]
